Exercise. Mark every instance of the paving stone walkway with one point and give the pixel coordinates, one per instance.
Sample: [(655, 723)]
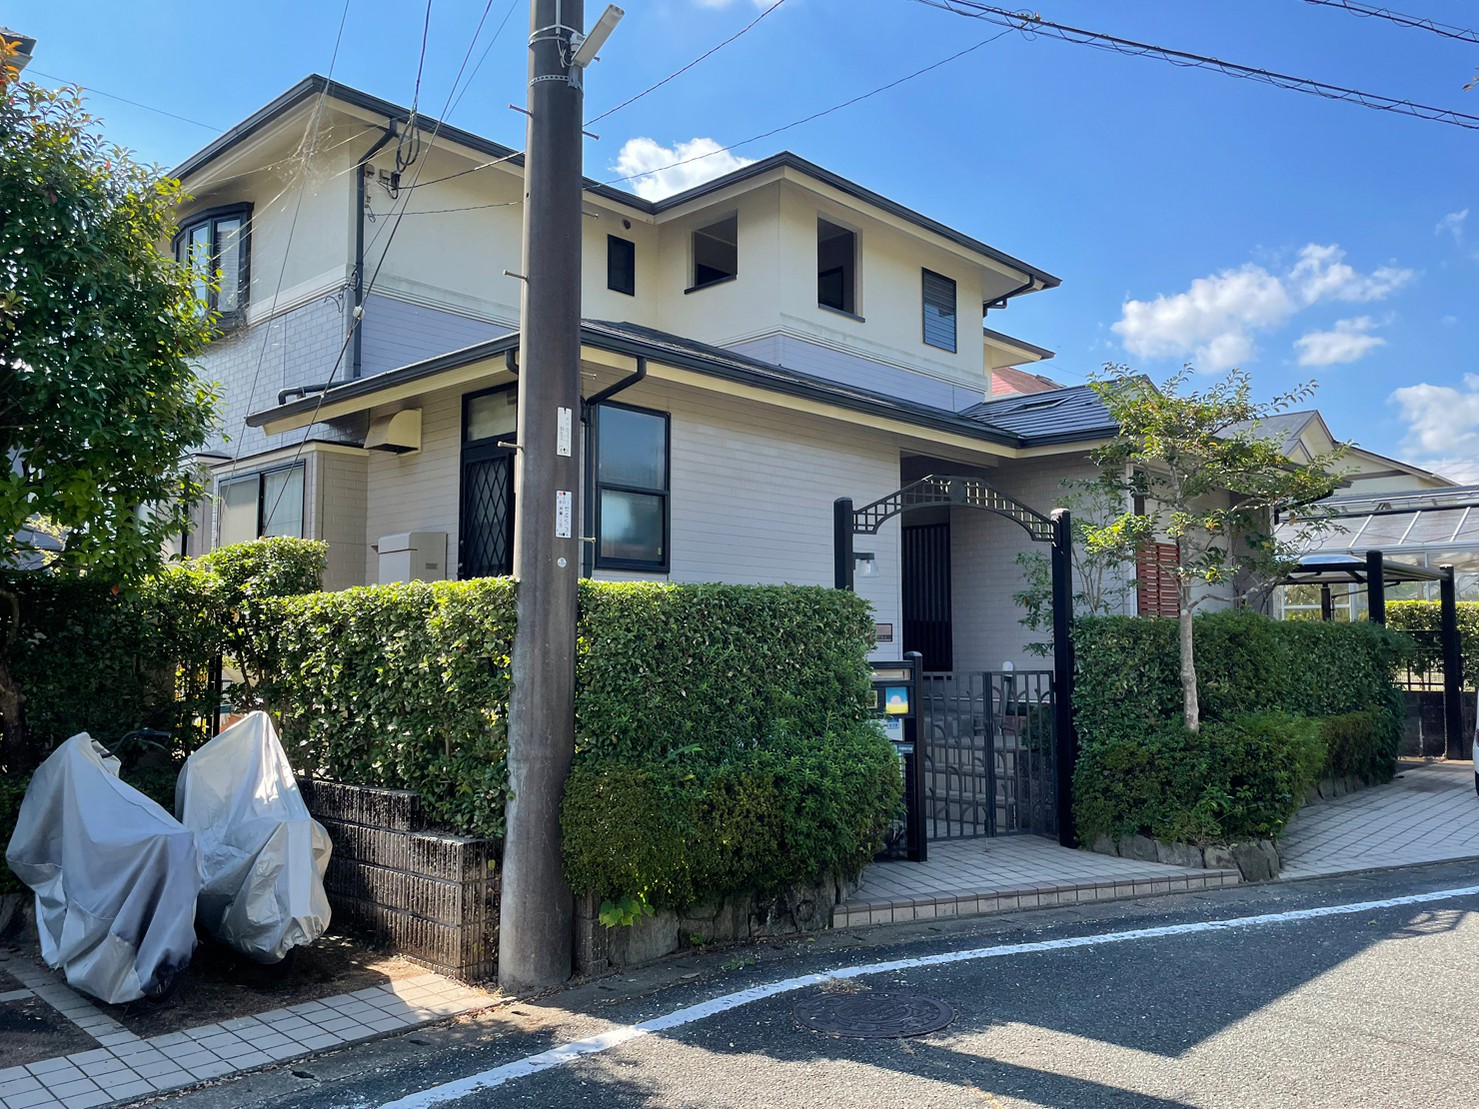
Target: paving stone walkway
[(1428, 814), (124, 1066), (968, 877)]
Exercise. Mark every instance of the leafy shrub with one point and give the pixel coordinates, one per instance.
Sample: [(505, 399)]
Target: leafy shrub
[(1233, 780), (1360, 745), (791, 810), (1127, 681), (665, 667), (12, 790)]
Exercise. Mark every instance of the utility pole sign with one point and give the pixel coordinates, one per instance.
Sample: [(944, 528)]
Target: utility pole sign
[(536, 907)]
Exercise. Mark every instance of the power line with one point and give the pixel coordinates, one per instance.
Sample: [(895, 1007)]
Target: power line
[(358, 320), (1033, 24), (126, 100), (686, 68), (814, 116), (1368, 11), (310, 142), (483, 57)]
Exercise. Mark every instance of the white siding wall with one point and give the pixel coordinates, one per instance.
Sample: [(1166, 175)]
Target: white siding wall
[(417, 491), (338, 515)]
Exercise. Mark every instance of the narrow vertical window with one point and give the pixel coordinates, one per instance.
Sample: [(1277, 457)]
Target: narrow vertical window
[(837, 259), (631, 472), (621, 265), (939, 311)]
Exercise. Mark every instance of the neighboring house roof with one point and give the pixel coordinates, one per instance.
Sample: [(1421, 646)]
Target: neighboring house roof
[(1286, 428), (1063, 415), (670, 350), (314, 85), (1008, 380)]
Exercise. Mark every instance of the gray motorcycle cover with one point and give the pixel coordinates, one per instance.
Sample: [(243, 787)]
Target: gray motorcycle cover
[(115, 876), (262, 857)]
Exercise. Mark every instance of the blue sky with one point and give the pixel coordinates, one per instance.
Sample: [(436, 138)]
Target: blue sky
[(1190, 216)]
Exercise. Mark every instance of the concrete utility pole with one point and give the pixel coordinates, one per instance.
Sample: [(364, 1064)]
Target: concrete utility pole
[(536, 909)]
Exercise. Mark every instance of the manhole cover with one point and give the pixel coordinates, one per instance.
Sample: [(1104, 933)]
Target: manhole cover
[(873, 1016)]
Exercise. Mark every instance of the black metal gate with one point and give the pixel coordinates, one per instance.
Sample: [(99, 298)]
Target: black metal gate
[(487, 533), (926, 595), (989, 764)]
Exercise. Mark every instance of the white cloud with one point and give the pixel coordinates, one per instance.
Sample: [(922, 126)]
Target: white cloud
[(1322, 274), (1215, 321), (1449, 321), (1452, 224), (1442, 426), (660, 171), (1350, 340)]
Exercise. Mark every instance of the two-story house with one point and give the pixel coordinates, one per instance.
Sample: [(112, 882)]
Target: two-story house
[(754, 348)]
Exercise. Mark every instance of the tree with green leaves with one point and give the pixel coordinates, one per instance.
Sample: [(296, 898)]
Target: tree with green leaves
[(100, 407), (1195, 469)]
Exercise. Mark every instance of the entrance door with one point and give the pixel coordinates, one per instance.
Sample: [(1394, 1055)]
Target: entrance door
[(486, 520), (927, 627)]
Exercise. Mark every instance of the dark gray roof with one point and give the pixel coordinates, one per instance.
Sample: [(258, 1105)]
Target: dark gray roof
[(314, 84), (671, 350), (1056, 416)]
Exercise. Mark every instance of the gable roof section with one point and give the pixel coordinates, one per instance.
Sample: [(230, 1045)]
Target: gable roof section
[(1064, 415), (315, 85), (669, 350)]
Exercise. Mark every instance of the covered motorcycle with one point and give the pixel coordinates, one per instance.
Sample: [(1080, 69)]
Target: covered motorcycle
[(262, 857), (115, 876)]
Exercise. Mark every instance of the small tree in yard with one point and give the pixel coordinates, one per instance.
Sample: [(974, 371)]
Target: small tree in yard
[(99, 405), (1211, 483)]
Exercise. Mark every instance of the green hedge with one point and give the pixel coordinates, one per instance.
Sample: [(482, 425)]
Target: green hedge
[(1128, 684), (1233, 780), (790, 811), (395, 685), (1427, 616)]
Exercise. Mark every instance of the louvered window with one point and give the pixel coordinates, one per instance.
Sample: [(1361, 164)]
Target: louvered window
[(1156, 590), (939, 311)]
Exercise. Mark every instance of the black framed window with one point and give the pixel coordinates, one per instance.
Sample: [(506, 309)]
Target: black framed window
[(621, 265), (217, 242), (939, 311), (837, 263), (716, 253), (269, 502), (631, 450)]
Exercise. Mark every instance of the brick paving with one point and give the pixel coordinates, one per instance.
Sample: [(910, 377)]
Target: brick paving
[(974, 876), (1428, 814), (125, 1066)]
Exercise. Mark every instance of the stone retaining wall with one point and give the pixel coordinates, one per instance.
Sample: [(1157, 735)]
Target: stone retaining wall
[(1257, 860), (806, 908), (432, 896)]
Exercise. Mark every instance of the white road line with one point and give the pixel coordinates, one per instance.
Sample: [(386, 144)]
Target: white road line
[(594, 1045)]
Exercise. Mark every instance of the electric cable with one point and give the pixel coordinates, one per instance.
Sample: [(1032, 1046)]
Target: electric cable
[(679, 72), (1369, 11), (126, 100), (1030, 24)]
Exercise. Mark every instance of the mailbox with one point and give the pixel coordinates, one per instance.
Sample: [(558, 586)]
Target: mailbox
[(896, 704)]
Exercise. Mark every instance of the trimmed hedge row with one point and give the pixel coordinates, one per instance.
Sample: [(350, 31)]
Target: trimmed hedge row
[(791, 811), (1127, 682), (721, 731)]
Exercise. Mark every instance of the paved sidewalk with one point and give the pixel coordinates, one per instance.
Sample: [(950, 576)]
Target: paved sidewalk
[(973, 876), (1428, 814), (123, 1066)]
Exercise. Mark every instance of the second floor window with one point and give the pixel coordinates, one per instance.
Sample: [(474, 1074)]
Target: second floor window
[(621, 265), (939, 311), (716, 252), (837, 260), (216, 242)]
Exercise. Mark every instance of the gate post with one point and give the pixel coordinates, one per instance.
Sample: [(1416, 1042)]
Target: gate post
[(1065, 739), (1376, 588), (1453, 662), (842, 554)]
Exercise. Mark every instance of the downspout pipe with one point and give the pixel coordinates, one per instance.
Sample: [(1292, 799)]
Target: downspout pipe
[(356, 317)]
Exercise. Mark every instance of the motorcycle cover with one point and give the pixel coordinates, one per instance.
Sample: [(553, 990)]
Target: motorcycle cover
[(262, 857), (115, 876)]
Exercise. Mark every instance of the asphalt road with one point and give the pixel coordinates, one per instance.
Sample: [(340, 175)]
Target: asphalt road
[(1314, 1005)]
